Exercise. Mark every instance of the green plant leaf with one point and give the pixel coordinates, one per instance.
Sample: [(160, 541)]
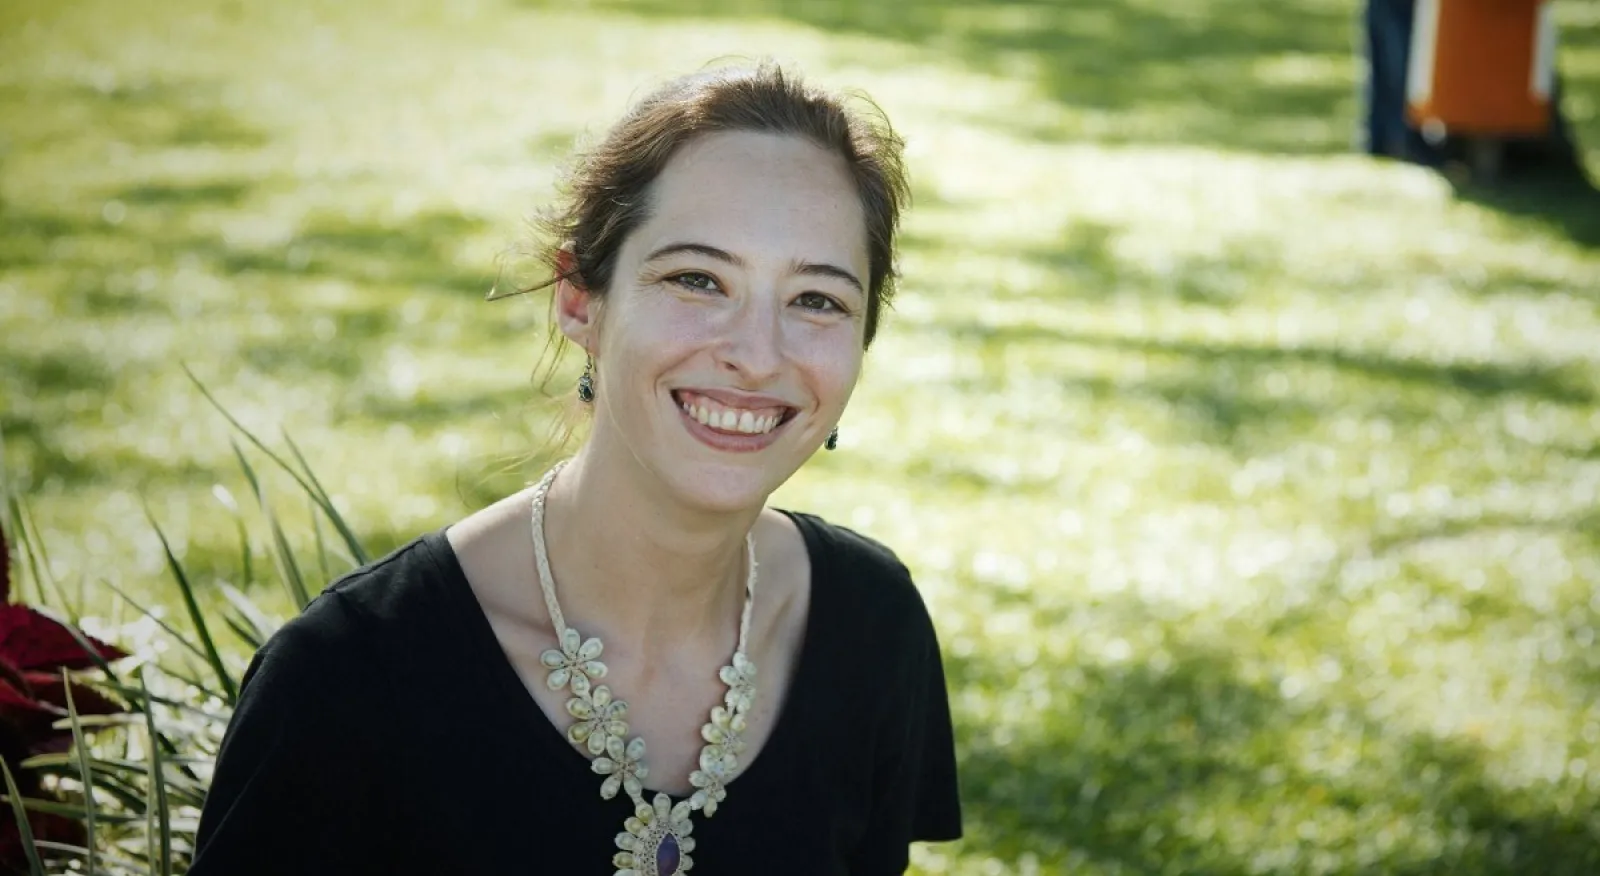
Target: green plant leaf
[(136, 696), (194, 682), (170, 630), (157, 813), (39, 560), (78, 636), (282, 554), (197, 617), (128, 795), (288, 567), (85, 775), (246, 555), (260, 624), (69, 810), (124, 865), (322, 546), (313, 487), (324, 500), (244, 633), (24, 829)]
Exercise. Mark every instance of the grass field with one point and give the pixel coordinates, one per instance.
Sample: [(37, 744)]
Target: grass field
[(1254, 485)]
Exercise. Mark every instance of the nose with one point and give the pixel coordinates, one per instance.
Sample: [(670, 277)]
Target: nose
[(752, 349)]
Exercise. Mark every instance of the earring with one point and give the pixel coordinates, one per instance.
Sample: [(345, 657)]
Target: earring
[(833, 439), (586, 382)]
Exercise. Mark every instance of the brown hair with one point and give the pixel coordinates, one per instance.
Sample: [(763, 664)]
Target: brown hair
[(607, 191)]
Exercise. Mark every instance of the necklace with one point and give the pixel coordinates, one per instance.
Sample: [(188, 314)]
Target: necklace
[(656, 840)]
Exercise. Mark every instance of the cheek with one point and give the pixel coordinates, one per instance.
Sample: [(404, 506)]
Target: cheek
[(833, 362), (654, 333)]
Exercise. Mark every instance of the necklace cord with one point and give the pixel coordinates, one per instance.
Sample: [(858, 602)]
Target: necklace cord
[(547, 579)]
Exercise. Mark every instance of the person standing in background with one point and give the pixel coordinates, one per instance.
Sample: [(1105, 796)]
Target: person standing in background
[(1439, 78)]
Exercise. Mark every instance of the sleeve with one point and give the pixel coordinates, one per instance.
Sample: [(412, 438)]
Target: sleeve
[(918, 797), (294, 789)]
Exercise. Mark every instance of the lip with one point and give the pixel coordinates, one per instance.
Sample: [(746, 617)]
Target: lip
[(735, 399)]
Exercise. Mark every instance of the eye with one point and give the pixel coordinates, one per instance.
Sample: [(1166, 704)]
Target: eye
[(696, 280), (818, 302)]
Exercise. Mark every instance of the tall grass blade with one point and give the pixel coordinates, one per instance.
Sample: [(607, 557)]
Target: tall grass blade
[(288, 567), (197, 617), (312, 487), (158, 787), (85, 775), (18, 527), (114, 864), (193, 682), (260, 624), (326, 502), (136, 696), (246, 555), (78, 636), (24, 829), (249, 470), (68, 810), (322, 546), (245, 634), (41, 569), (282, 555), (170, 630)]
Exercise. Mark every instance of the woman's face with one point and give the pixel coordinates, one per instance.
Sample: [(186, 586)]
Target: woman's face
[(731, 337)]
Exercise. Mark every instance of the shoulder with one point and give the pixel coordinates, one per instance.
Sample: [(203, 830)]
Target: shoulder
[(346, 631), (865, 578)]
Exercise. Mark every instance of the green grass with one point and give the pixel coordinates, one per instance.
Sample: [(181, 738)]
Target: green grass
[(1255, 485)]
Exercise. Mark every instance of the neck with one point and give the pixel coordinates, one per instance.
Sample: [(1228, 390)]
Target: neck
[(637, 567)]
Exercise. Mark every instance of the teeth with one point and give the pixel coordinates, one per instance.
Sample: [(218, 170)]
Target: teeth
[(731, 421)]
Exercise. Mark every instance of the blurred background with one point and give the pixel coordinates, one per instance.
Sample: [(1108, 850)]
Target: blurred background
[(1253, 483)]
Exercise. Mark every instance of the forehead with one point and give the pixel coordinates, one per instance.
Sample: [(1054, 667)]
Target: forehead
[(758, 196)]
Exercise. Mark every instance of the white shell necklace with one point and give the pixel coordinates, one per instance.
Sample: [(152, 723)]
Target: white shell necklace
[(656, 839)]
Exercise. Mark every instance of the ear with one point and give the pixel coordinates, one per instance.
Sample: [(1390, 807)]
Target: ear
[(577, 310)]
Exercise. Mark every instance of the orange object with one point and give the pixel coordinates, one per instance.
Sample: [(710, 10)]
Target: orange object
[(1482, 67)]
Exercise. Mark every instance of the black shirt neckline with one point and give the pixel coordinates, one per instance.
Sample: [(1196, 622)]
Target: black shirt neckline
[(491, 655)]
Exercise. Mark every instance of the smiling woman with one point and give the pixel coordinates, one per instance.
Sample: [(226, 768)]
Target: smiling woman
[(722, 259)]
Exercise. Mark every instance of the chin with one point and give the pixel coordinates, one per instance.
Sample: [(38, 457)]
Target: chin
[(725, 488)]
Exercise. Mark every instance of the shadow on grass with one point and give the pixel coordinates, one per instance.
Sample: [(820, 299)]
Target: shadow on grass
[(1190, 768), (1569, 206), (186, 194), (142, 114), (1558, 384), (1204, 72), (1219, 73), (1082, 264), (416, 252)]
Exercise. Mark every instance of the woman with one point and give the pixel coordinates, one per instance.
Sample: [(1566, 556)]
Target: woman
[(636, 667)]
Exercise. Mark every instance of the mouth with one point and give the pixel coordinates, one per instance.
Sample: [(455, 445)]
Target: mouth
[(733, 424), (725, 417)]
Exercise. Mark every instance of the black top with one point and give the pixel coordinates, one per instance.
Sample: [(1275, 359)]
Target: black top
[(385, 731)]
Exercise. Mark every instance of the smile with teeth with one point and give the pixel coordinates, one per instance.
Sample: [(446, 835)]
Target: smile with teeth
[(724, 418)]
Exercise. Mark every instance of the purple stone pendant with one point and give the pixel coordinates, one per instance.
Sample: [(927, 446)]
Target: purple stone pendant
[(667, 855)]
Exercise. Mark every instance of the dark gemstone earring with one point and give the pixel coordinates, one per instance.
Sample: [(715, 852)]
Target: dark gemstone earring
[(586, 383), (833, 439)]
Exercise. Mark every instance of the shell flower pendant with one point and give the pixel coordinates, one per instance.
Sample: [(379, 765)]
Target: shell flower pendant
[(576, 658), (657, 842)]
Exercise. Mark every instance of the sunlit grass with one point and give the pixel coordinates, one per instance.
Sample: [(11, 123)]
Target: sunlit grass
[(1255, 486)]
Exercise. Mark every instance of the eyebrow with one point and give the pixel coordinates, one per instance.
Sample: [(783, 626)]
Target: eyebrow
[(814, 269)]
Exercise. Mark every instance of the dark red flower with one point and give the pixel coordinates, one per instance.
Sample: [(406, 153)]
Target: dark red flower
[(34, 649), (30, 639)]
